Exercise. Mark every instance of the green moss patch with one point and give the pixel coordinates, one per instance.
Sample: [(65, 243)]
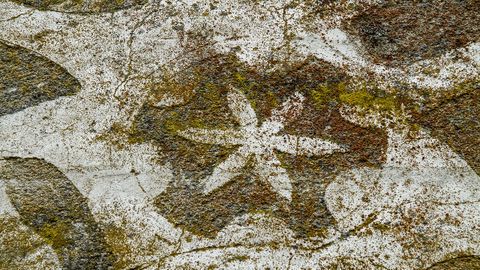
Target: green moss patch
[(16, 243)]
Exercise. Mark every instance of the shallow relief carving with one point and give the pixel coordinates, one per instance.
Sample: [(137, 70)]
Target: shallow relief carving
[(342, 195), (53, 208), (28, 79)]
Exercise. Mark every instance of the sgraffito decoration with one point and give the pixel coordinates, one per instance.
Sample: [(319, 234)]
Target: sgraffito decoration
[(258, 142), (27, 79), (50, 205), (140, 134), (255, 142)]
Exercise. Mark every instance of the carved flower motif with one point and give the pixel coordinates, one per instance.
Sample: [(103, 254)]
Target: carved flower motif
[(259, 141), (243, 141)]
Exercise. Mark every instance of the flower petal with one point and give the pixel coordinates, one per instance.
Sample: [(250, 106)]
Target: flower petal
[(269, 167), (212, 136), (305, 146), (226, 170), (241, 108)]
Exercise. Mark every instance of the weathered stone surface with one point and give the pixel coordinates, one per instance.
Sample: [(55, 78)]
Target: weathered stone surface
[(27, 79), (239, 135), (81, 6), (459, 263), (50, 205), (206, 101), (454, 120), (18, 243), (400, 32)]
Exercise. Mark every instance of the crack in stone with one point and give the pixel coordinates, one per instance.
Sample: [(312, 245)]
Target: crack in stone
[(27, 14)]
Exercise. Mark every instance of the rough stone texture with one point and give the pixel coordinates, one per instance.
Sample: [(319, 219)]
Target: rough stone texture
[(454, 119), (50, 204), (399, 32), (81, 6), (239, 134), (29, 79), (467, 262)]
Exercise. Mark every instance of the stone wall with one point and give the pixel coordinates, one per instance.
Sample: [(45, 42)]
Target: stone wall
[(242, 134)]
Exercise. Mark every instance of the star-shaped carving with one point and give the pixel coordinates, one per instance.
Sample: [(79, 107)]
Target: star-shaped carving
[(259, 141)]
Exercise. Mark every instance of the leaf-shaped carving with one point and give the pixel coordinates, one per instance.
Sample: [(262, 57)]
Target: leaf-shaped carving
[(455, 121), (458, 263), (400, 32), (81, 6), (28, 79), (53, 207)]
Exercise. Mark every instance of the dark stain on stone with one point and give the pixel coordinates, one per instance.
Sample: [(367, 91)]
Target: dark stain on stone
[(208, 108), (53, 207), (400, 32), (459, 263), (81, 6), (205, 106), (454, 119), (28, 79), (184, 203)]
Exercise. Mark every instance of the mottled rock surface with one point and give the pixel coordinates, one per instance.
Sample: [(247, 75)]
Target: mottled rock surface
[(459, 263), (52, 206), (239, 134), (27, 79), (399, 32), (454, 119), (81, 6)]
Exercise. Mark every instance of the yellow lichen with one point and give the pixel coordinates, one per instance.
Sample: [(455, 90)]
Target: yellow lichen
[(366, 100), (56, 234), (117, 240), (325, 93)]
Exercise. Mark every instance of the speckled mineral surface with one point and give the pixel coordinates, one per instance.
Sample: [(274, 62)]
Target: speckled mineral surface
[(240, 134)]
